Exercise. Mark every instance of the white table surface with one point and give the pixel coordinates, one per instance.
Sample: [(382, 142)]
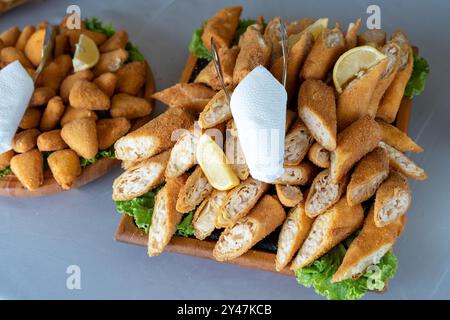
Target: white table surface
[(40, 238)]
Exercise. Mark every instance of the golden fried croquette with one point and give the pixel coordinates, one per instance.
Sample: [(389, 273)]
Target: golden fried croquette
[(109, 130), (65, 167), (5, 158), (10, 54), (69, 81), (74, 35), (28, 167), (131, 77), (41, 96), (52, 114), (51, 141), (130, 107), (107, 83), (25, 140), (24, 36), (86, 95), (72, 114), (10, 36), (54, 73), (34, 45), (30, 119), (81, 136), (61, 45), (111, 61), (117, 41)]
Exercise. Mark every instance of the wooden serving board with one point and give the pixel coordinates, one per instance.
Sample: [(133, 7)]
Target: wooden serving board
[(256, 259), (10, 186)]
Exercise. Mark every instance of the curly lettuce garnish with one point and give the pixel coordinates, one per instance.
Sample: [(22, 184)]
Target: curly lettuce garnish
[(416, 83), (319, 273), (5, 172), (108, 153), (185, 227)]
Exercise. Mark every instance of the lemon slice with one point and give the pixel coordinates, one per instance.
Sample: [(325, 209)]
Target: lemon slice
[(86, 54), (353, 61), (316, 29), (213, 162)]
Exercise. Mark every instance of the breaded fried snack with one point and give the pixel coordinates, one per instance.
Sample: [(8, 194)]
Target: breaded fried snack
[(402, 163), (396, 138), (55, 72), (374, 37), (30, 119), (25, 140), (131, 77), (323, 193), (297, 143), (141, 178), (10, 36), (65, 167), (203, 220), (110, 61), (81, 136), (10, 54), (33, 47), (194, 191), (5, 159), (301, 174), (358, 139), (317, 109), (298, 52), (222, 27), (208, 75), (86, 95), (216, 111), (154, 137), (369, 247), (73, 114), (319, 155), (392, 199), (234, 153), (165, 216), (24, 36), (69, 81), (109, 130), (294, 231), (130, 107), (191, 96), (51, 141), (182, 156), (392, 52), (118, 40), (41, 96), (28, 167), (368, 175), (288, 195), (255, 51), (106, 82), (239, 201), (328, 230), (353, 102), (262, 220), (272, 34), (392, 98), (326, 50), (351, 36)]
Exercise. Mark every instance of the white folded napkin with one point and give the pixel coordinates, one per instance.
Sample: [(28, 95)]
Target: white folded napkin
[(258, 105), (16, 88)]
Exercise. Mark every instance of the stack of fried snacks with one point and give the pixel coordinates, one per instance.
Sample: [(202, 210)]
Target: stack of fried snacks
[(73, 118)]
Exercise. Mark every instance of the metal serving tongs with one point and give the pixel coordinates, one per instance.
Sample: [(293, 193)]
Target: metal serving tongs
[(218, 67), (47, 50), (285, 51)]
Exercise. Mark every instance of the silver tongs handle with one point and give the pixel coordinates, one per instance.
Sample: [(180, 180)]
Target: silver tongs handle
[(218, 67), (285, 51), (47, 49)]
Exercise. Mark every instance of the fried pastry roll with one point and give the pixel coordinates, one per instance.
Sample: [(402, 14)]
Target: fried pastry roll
[(351, 36), (319, 155), (216, 111), (398, 139), (289, 196), (374, 37), (301, 174), (234, 153), (368, 175), (262, 220), (297, 143), (222, 27), (182, 156), (194, 191), (205, 214)]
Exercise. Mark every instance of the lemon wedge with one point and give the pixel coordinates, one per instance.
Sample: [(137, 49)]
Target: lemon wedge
[(86, 54), (213, 162), (315, 28), (353, 61)]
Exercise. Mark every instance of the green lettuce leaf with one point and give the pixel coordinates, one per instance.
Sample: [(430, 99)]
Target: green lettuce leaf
[(5, 172), (185, 227), (140, 208), (94, 24), (319, 273), (108, 153), (416, 83), (196, 46)]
